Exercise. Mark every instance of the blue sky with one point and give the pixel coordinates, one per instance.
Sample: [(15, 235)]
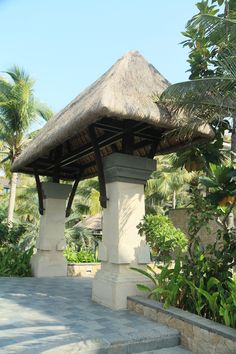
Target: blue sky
[(67, 44)]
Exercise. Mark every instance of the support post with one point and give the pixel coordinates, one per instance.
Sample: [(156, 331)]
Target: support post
[(122, 247), (49, 260), (101, 178)]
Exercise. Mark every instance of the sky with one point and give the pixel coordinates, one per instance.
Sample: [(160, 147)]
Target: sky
[(65, 45)]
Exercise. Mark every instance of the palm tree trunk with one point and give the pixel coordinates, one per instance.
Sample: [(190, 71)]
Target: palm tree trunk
[(12, 199), (233, 142), (233, 160), (174, 200)]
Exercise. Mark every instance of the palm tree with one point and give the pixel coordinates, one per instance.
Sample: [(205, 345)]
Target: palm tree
[(167, 184), (18, 110), (27, 201)]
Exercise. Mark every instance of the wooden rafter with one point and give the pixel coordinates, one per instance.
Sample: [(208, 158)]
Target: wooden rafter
[(72, 195), (153, 149), (128, 138), (40, 192), (101, 177), (56, 170), (102, 141)]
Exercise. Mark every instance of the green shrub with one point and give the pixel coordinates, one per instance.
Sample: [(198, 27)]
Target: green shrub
[(15, 261), (82, 256), (16, 247), (202, 280), (163, 238)]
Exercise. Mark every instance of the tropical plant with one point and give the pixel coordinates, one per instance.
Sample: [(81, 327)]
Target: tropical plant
[(80, 238), (83, 256), (201, 281), (210, 96), (86, 203), (163, 238), (15, 261), (18, 109), (27, 201), (221, 183), (166, 186), (87, 197)]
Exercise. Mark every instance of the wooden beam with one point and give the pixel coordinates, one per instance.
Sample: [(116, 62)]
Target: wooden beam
[(57, 156), (153, 150), (101, 177), (106, 139), (128, 138), (112, 125), (72, 195), (107, 127), (40, 192)]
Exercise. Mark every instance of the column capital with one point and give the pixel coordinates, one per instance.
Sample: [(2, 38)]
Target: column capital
[(56, 190), (128, 168)]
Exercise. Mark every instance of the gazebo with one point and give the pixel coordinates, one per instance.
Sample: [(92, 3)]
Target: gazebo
[(112, 130)]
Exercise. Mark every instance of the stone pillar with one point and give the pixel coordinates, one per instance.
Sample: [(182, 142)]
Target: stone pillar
[(49, 260), (121, 246)]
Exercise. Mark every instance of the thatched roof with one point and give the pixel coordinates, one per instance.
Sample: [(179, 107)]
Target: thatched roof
[(120, 107)]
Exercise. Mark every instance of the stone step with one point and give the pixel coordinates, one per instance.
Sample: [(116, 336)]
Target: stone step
[(53, 339), (147, 341), (165, 341), (173, 350)]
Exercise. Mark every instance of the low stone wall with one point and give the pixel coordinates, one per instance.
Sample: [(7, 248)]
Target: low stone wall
[(180, 219), (88, 269), (198, 334), (83, 269)]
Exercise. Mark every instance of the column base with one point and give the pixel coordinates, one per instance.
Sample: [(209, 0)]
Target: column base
[(49, 264), (112, 289)]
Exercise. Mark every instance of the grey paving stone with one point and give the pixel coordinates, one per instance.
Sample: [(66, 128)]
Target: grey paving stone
[(173, 350), (57, 315)]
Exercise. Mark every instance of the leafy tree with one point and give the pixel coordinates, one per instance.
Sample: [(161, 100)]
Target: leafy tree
[(210, 96), (18, 110)]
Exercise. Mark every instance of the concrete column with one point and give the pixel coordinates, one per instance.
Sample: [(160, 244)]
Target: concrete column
[(49, 260), (121, 246)]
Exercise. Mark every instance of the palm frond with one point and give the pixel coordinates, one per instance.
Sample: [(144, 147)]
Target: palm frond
[(43, 110), (212, 98), (202, 94), (216, 29)]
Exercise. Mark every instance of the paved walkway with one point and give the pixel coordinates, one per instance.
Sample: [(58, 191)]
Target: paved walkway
[(56, 315)]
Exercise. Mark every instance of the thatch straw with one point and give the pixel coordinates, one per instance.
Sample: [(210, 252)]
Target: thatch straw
[(124, 92)]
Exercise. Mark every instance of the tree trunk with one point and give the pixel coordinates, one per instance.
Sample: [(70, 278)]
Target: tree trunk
[(233, 142), (174, 200), (233, 160), (12, 199)]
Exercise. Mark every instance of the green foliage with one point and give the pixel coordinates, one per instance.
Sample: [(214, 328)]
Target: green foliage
[(83, 256), (18, 110), (221, 183), (78, 238), (167, 283), (9, 236), (210, 94), (86, 203), (201, 281), (15, 261), (16, 247), (163, 238), (166, 186)]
